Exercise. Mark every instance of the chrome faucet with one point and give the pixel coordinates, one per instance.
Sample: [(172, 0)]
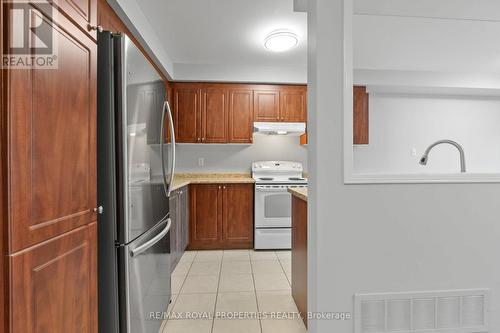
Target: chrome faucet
[(425, 156)]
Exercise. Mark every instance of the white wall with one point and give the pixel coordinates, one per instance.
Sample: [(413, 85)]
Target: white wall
[(234, 158), (400, 123), (240, 73), (376, 238)]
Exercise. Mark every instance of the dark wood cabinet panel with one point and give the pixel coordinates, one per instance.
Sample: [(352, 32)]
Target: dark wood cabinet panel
[(221, 216), (186, 115), (54, 285), (205, 216), (240, 116), (360, 116), (179, 232), (299, 254), (266, 105), (52, 130), (237, 224), (83, 13), (214, 115), (293, 104)]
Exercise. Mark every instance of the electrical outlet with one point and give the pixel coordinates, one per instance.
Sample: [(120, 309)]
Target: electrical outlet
[(414, 152), (201, 161)]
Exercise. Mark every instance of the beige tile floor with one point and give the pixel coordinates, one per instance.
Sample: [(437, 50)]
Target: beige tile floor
[(210, 286)]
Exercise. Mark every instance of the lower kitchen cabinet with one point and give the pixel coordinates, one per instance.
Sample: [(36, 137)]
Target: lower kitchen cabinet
[(221, 216), (54, 284), (179, 232)]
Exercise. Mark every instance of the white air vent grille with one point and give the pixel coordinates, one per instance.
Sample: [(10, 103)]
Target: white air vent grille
[(457, 311)]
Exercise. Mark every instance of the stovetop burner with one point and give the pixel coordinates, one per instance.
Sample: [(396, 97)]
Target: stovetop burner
[(296, 178), (266, 178)]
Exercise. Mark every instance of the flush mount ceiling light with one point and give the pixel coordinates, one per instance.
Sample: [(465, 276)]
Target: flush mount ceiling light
[(280, 41)]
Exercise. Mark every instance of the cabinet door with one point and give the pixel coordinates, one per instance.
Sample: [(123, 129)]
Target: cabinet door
[(81, 12), (52, 132), (187, 118), (360, 116), (54, 285), (174, 240), (184, 209), (237, 219), (266, 105), (293, 104), (214, 115), (240, 116), (205, 216)]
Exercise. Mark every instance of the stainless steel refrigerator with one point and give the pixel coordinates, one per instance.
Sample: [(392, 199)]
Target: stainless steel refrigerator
[(134, 227)]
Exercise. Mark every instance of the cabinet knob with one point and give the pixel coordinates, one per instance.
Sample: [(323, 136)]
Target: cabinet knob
[(198, 139), (282, 118), (220, 187), (224, 187), (202, 139), (99, 210), (95, 27)]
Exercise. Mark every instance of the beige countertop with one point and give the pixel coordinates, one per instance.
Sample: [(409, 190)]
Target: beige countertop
[(299, 192), (183, 179)]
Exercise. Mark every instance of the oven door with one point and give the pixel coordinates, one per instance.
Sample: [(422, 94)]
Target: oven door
[(273, 206)]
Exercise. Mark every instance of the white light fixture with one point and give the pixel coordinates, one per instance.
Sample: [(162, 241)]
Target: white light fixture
[(280, 41)]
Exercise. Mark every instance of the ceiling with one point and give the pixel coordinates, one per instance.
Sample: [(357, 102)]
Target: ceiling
[(225, 32), (222, 40)]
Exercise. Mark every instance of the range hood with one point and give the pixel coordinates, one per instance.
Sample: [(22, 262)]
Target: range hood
[(290, 129)]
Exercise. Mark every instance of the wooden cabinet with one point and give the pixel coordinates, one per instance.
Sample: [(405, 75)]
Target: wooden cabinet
[(237, 214), (299, 254), (293, 104), (240, 126), (49, 278), (187, 114), (214, 115), (221, 216), (54, 285), (184, 217), (360, 116), (266, 105), (83, 13), (179, 232), (52, 122), (205, 225), (225, 112), (285, 103)]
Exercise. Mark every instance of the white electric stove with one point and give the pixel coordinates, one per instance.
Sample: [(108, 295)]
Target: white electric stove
[(273, 208)]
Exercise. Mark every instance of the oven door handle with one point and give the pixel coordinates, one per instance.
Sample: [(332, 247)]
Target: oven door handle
[(271, 189)]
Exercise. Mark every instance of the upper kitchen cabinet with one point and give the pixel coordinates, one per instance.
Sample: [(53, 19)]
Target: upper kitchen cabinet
[(186, 114), (225, 112), (214, 115), (51, 114), (266, 105), (284, 104), (81, 12), (360, 116), (240, 127), (293, 104)]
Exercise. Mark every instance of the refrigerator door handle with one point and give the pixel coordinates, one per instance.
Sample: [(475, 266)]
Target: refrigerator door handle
[(144, 247), (167, 187)]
